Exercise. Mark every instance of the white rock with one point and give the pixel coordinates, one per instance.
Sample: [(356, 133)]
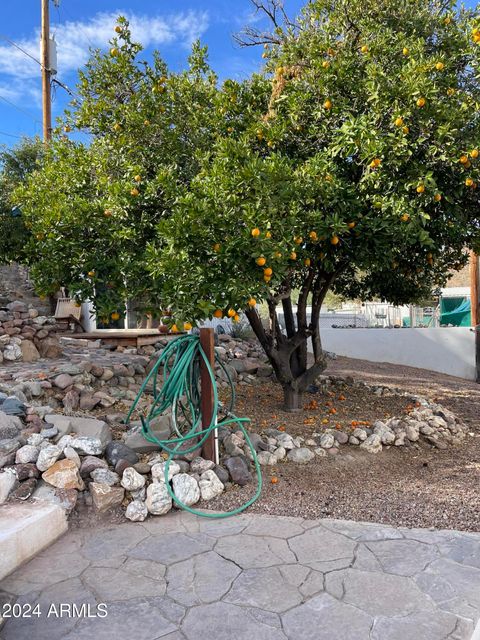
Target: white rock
[(285, 441), (136, 511), (28, 453), (301, 455), (372, 444), (210, 485), (132, 480), (158, 499), (105, 476), (186, 489), (64, 442), (88, 446), (321, 453), (71, 454), (265, 458), (48, 456), (353, 440), (427, 430), (158, 471), (360, 434), (280, 453), (8, 480), (35, 439), (327, 441)]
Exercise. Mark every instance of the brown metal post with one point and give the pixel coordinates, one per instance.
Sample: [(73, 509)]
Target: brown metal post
[(208, 345)]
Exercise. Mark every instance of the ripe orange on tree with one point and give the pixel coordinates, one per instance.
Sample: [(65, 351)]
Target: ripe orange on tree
[(261, 261), (255, 232), (327, 104), (268, 271), (134, 192), (115, 315), (231, 313), (421, 102), (335, 240), (252, 302), (218, 313)]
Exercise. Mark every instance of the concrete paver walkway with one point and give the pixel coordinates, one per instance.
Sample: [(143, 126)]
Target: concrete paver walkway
[(253, 577)]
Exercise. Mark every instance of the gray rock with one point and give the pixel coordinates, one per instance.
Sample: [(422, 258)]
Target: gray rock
[(137, 442), (341, 437), (48, 456), (200, 465), (105, 476), (158, 501), (239, 470), (222, 474), (158, 471), (186, 489), (353, 440), (301, 455), (63, 381), (27, 453), (92, 428), (116, 451), (372, 444), (411, 433), (13, 407), (10, 426), (136, 511), (132, 480), (90, 463), (426, 430), (49, 432), (233, 445), (265, 458), (210, 485)]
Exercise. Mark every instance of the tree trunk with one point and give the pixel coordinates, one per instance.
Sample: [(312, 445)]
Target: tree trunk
[(292, 399)]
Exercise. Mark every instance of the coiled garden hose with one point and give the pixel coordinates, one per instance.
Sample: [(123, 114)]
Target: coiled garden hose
[(179, 365)]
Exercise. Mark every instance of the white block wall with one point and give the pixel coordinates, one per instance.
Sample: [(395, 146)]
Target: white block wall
[(449, 350)]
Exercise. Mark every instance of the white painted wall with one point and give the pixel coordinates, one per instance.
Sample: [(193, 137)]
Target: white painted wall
[(449, 350)]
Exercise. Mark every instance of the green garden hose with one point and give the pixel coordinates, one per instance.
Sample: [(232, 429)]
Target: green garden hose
[(179, 365)]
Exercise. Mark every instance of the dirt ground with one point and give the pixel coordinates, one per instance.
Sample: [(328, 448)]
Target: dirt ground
[(414, 487)]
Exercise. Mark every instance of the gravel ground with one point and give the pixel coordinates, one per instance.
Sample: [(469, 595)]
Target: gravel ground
[(413, 487)]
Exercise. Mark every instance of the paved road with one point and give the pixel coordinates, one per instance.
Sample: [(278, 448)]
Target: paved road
[(252, 577)]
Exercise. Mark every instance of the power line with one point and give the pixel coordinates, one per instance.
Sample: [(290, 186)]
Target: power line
[(15, 106), (10, 135), (17, 46)]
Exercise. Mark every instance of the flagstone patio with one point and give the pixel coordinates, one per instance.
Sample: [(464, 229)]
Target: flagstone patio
[(252, 577)]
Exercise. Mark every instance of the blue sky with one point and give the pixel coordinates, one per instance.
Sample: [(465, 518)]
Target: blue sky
[(78, 24)]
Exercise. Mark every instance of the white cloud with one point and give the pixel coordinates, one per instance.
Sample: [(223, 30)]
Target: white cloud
[(74, 38)]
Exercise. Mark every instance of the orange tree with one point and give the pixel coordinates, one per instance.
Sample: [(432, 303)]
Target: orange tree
[(133, 136), (359, 174)]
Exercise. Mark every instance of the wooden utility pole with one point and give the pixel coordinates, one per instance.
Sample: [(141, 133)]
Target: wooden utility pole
[(206, 401), (475, 307), (46, 71)]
